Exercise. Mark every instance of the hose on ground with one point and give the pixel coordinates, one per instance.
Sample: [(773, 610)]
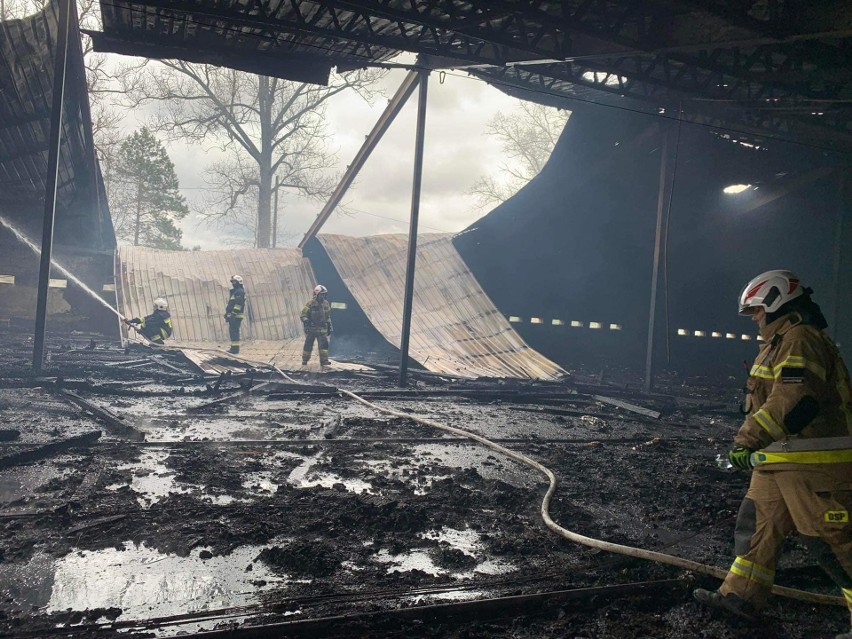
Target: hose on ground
[(630, 551)]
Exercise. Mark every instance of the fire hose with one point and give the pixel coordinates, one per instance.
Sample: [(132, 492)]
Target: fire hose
[(630, 551)]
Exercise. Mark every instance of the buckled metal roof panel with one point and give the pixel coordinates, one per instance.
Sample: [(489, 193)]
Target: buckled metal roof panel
[(196, 283), (455, 328), (26, 94)]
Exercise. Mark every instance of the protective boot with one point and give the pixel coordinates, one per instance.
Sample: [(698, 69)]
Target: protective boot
[(234, 350), (730, 603)]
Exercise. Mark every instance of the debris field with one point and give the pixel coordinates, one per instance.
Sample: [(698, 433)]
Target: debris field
[(143, 498)]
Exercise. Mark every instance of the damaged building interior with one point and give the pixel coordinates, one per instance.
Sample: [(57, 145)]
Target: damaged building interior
[(526, 428)]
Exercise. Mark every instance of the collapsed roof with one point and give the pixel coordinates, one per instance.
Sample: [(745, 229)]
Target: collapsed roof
[(768, 67), (27, 50)]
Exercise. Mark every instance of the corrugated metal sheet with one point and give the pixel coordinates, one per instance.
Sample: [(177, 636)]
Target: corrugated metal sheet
[(455, 327), (27, 51), (196, 284)]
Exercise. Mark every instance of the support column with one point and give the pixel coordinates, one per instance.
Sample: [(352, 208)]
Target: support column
[(661, 230), (275, 215), (840, 322), (412, 229), (51, 180)]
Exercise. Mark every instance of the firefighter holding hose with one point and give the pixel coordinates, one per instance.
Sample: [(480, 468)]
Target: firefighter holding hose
[(797, 442), (157, 326)]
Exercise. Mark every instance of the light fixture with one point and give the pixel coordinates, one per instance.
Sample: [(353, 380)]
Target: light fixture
[(733, 189)]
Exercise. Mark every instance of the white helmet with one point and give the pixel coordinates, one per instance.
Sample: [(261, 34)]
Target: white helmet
[(236, 279), (769, 291), (319, 289), (161, 304)]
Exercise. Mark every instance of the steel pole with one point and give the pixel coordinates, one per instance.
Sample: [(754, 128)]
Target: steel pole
[(51, 180), (837, 262), (412, 229), (275, 215), (655, 275)]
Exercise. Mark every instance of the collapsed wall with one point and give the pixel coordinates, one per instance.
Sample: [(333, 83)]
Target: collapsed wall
[(196, 285), (571, 255), (455, 328)]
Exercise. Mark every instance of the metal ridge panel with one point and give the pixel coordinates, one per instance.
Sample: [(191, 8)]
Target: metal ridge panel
[(196, 285), (455, 328)]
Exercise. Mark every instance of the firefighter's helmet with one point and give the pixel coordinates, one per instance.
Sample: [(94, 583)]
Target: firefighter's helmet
[(769, 291), (319, 289), (236, 279), (161, 304)]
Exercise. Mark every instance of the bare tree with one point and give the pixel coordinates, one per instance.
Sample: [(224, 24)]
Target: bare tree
[(527, 136), (268, 128)]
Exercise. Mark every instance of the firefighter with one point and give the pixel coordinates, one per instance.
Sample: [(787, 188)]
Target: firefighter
[(235, 312), (797, 441), (316, 320), (157, 326)]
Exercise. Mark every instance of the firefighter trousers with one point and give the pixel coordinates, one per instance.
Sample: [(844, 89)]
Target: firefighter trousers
[(816, 500), (322, 345), (234, 331)]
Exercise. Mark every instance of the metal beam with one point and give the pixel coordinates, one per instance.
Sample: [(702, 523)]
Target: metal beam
[(382, 125), (412, 229), (661, 231), (59, 69)]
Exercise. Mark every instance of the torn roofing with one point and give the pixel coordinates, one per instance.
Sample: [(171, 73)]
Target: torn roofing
[(27, 50), (728, 63), (455, 328)]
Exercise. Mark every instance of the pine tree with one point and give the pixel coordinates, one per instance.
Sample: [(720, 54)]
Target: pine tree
[(144, 198)]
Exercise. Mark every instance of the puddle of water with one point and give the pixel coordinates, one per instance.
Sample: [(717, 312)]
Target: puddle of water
[(465, 540), (141, 581), (152, 480), (411, 560), (303, 477), (260, 482), (417, 559), (145, 583)]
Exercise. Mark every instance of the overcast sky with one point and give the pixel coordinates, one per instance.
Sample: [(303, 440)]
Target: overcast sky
[(457, 153)]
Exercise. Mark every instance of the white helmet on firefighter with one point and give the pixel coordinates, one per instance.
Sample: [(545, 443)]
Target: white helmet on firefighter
[(319, 289), (769, 291), (161, 304), (236, 279)]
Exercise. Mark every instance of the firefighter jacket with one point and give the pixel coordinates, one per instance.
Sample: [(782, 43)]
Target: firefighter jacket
[(316, 317), (236, 307), (157, 326), (800, 391)]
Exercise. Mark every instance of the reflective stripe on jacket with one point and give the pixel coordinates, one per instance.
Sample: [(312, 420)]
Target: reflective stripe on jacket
[(797, 371), (236, 303), (316, 316), (157, 326), (820, 450)]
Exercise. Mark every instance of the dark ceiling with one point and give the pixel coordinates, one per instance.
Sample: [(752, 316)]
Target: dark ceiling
[(779, 68)]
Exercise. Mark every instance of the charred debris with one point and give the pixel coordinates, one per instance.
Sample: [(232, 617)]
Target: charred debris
[(142, 497)]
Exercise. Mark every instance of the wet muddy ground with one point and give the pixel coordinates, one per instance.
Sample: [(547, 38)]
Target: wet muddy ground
[(282, 505)]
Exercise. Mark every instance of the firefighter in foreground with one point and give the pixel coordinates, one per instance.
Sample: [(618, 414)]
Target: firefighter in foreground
[(157, 326), (316, 320), (797, 441), (235, 312)]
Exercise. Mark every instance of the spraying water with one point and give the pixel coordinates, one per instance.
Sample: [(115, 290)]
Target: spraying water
[(61, 268)]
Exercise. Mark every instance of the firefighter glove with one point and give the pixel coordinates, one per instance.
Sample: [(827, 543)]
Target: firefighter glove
[(135, 320), (740, 457)]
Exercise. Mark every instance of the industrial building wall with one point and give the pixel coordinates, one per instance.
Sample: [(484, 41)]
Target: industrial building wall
[(576, 244)]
